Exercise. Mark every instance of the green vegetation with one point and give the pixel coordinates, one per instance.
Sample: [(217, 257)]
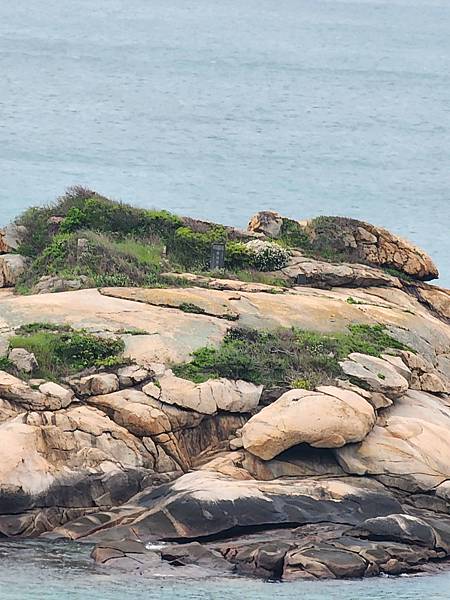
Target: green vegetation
[(351, 300), (189, 307), (5, 364), (293, 235), (61, 350), (285, 357), (396, 273)]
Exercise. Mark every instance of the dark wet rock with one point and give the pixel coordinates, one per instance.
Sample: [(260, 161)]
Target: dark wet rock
[(401, 528), (195, 554)]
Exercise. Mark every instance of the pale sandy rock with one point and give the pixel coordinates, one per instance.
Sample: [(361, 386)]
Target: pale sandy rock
[(437, 299), (11, 237), (376, 399), (98, 383), (49, 284), (16, 390), (157, 369), (425, 376), (211, 396), (186, 299), (409, 447), (328, 418), (135, 411), (57, 396), (8, 410), (375, 373), (309, 271), (131, 375), (152, 390), (399, 365), (23, 360), (215, 283), (12, 266)]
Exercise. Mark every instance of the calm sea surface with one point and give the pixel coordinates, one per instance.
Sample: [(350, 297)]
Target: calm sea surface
[(36, 571), (219, 108)]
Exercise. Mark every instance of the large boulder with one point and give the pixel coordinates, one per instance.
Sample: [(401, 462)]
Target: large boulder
[(327, 418), (409, 447), (12, 266), (209, 397), (11, 237)]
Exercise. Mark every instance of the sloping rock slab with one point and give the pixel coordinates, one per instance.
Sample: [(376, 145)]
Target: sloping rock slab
[(187, 299), (204, 504), (409, 447), (375, 373)]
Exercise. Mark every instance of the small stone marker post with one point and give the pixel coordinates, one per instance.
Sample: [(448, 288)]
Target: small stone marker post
[(217, 260)]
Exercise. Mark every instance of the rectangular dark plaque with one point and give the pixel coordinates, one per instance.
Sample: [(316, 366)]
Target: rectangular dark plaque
[(217, 260)]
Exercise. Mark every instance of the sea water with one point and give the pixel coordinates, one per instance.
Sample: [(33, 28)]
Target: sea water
[(221, 108), (55, 571)]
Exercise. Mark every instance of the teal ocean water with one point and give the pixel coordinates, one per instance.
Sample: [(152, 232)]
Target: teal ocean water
[(37, 571), (218, 109)]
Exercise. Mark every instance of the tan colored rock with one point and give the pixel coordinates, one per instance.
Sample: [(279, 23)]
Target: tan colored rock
[(23, 360), (11, 237), (12, 266), (376, 399), (187, 299), (328, 418), (211, 396), (425, 376), (93, 385), (408, 448), (304, 270), (438, 299), (213, 283), (266, 222), (131, 375), (56, 395), (375, 373), (375, 245)]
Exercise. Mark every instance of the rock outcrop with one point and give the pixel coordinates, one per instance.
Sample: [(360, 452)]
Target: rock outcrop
[(12, 266), (349, 479), (11, 237), (328, 418)]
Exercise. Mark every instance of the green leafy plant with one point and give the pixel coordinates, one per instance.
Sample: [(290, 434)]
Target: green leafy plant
[(60, 350), (285, 358)]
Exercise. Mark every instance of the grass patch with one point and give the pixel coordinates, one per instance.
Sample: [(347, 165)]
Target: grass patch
[(6, 364), (61, 351), (285, 357)]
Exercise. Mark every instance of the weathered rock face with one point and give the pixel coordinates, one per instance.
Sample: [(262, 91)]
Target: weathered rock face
[(49, 284), (208, 397), (11, 268), (50, 396), (11, 237), (377, 374), (328, 418), (23, 360), (409, 446), (360, 241), (177, 512), (266, 222), (304, 270)]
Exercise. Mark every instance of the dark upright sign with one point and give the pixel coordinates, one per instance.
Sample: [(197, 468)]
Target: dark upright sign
[(217, 260)]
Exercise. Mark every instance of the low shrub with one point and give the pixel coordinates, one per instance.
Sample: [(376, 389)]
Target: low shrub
[(61, 351), (285, 358)]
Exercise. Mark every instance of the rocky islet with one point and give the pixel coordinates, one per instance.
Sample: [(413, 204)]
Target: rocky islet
[(350, 479)]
